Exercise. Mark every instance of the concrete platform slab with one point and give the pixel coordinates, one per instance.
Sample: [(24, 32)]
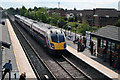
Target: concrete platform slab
[(106, 71)]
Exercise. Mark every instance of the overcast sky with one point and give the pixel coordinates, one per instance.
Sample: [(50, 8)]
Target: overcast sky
[(69, 4)]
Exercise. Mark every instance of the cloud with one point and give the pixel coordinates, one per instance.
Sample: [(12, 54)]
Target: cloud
[(69, 4)]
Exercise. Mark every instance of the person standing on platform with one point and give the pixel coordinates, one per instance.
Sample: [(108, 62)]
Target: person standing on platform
[(84, 41), (8, 69), (104, 53), (23, 76), (80, 39), (91, 47), (78, 49)]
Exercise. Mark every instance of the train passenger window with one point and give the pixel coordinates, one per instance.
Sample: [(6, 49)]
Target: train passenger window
[(54, 38), (61, 38)]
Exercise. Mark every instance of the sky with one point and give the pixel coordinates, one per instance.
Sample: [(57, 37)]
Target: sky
[(66, 4)]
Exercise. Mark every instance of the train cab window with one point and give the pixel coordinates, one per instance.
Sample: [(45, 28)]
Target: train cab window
[(61, 38), (54, 38)]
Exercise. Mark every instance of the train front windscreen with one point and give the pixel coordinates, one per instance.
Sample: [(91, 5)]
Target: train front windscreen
[(57, 38)]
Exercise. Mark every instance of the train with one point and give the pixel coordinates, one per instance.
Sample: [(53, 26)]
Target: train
[(49, 36)]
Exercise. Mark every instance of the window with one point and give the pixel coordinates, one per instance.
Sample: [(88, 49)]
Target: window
[(113, 47), (101, 43), (54, 38), (61, 38), (109, 45), (57, 38)]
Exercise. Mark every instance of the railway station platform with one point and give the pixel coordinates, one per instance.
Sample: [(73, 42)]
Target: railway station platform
[(18, 58), (7, 53), (96, 65)]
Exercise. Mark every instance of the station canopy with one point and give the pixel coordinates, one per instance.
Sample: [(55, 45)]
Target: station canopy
[(111, 33)]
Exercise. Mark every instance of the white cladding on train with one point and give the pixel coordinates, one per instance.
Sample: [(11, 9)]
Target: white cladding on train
[(49, 29)]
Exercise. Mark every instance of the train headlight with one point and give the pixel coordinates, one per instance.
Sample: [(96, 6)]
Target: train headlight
[(52, 45), (65, 45)]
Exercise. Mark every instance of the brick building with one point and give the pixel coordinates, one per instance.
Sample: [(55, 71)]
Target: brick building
[(103, 17)]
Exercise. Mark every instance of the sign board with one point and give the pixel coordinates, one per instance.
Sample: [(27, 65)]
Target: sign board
[(88, 36), (15, 75)]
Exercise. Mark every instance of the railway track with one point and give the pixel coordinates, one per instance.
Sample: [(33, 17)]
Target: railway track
[(63, 68), (71, 69), (41, 70), (28, 50)]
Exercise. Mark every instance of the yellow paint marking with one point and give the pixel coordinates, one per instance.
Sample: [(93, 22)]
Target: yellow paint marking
[(8, 24)]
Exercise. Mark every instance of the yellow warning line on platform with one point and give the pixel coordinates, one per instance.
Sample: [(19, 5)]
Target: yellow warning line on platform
[(8, 25)]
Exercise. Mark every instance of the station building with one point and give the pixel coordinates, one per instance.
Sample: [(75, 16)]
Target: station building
[(108, 36)]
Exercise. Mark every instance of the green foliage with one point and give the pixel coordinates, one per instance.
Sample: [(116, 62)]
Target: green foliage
[(23, 10), (81, 27), (71, 19), (54, 19), (117, 23), (84, 27), (42, 15), (11, 10)]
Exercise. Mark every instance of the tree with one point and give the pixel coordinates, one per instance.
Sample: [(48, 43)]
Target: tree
[(71, 19), (42, 14), (55, 18), (74, 9), (11, 10), (35, 8), (84, 27), (30, 9), (117, 23), (23, 10)]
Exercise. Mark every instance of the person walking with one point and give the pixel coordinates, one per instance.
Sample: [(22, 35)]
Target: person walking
[(84, 41), (8, 69)]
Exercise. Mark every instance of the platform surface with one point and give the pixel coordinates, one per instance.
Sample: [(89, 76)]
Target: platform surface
[(106, 71), (22, 62), (8, 53)]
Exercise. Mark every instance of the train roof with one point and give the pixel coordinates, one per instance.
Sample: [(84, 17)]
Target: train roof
[(42, 26)]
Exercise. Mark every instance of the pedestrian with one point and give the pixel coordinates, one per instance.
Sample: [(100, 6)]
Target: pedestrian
[(78, 49), (91, 47), (8, 69), (104, 53), (23, 76), (84, 41), (80, 39)]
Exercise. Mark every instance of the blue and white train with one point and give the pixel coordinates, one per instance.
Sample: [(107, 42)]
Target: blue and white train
[(49, 36)]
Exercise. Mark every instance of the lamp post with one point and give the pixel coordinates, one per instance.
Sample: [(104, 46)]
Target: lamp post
[(65, 28), (75, 26)]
